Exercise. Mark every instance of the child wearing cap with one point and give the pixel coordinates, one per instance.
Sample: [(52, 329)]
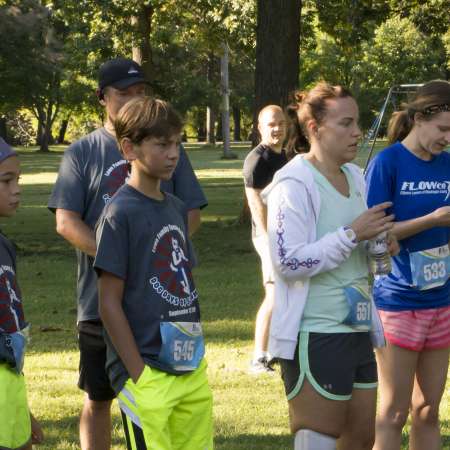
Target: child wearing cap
[(18, 429), (147, 298)]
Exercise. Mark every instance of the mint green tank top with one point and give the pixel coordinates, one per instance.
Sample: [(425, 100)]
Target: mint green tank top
[(326, 306)]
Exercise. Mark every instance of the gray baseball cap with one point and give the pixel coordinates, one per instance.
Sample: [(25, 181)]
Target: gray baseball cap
[(6, 150)]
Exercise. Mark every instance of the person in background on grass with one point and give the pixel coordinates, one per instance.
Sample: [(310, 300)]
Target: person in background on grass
[(18, 428), (91, 171), (414, 299), (260, 166), (317, 225), (147, 298)]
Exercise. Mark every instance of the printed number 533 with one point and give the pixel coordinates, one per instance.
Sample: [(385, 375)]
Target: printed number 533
[(183, 350), (434, 271)]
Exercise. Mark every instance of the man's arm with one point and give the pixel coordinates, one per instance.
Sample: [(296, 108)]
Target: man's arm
[(110, 296), (185, 185), (194, 220), (72, 228), (257, 208)]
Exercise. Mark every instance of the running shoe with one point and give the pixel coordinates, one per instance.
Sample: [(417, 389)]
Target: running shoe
[(260, 366)]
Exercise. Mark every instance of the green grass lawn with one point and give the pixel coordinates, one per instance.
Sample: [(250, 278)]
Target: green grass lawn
[(250, 413)]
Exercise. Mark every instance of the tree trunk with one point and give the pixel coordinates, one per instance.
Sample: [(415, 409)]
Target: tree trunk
[(219, 131), (277, 59), (224, 82), (237, 123), (210, 125), (49, 118), (40, 129), (200, 125), (201, 133), (277, 53), (46, 130), (210, 111), (142, 49), (45, 138), (62, 131), (3, 131)]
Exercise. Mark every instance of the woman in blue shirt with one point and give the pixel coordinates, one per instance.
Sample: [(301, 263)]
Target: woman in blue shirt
[(414, 299)]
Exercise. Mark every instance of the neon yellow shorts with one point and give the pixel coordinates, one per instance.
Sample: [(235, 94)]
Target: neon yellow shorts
[(168, 412), (15, 428)]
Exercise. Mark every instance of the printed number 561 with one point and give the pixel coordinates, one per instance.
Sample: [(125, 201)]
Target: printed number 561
[(362, 311), (183, 350)]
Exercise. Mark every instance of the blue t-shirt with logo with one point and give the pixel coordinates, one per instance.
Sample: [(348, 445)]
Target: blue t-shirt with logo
[(416, 188)]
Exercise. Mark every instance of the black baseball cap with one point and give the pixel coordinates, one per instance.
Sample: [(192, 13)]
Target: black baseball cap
[(120, 73)]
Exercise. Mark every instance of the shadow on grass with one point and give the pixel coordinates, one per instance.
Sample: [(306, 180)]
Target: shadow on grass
[(254, 442), (60, 433), (445, 425), (285, 441), (228, 331), (39, 162), (218, 182)]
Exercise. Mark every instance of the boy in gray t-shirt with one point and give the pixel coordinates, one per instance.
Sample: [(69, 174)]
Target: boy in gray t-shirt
[(147, 298)]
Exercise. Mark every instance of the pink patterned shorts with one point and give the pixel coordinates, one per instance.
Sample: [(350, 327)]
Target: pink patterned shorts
[(417, 330)]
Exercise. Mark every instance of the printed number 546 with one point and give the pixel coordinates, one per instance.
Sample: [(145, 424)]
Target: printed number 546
[(183, 350)]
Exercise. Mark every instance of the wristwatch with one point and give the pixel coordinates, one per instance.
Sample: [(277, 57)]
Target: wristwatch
[(350, 234)]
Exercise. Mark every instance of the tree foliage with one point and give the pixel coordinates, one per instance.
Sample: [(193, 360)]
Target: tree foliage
[(50, 51)]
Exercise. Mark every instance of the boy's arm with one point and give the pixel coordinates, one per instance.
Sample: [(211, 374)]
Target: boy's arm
[(186, 187), (37, 435), (194, 220), (110, 290)]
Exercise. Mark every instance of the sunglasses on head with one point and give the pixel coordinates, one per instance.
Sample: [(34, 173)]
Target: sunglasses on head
[(434, 109)]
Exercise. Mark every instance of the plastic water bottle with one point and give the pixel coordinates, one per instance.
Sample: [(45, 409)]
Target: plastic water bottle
[(379, 257)]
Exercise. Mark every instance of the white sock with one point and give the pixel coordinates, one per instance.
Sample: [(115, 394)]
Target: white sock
[(259, 354), (311, 440)]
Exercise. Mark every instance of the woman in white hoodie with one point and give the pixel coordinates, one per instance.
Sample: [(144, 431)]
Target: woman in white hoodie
[(317, 224)]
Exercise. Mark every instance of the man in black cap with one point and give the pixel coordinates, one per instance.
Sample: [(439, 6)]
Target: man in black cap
[(91, 171)]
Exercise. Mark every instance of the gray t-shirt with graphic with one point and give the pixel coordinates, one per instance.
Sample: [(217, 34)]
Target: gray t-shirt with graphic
[(11, 309), (91, 171), (145, 242)]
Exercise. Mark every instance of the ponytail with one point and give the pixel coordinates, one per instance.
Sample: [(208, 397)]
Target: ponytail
[(296, 140), (307, 105), (399, 126), (431, 99)]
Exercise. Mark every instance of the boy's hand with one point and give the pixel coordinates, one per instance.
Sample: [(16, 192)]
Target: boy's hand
[(393, 245), (37, 435), (135, 374)]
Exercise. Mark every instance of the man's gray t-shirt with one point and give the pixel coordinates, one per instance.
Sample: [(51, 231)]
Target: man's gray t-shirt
[(91, 171), (145, 242)]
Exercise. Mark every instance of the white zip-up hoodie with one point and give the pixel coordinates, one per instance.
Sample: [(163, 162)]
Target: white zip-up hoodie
[(293, 206)]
